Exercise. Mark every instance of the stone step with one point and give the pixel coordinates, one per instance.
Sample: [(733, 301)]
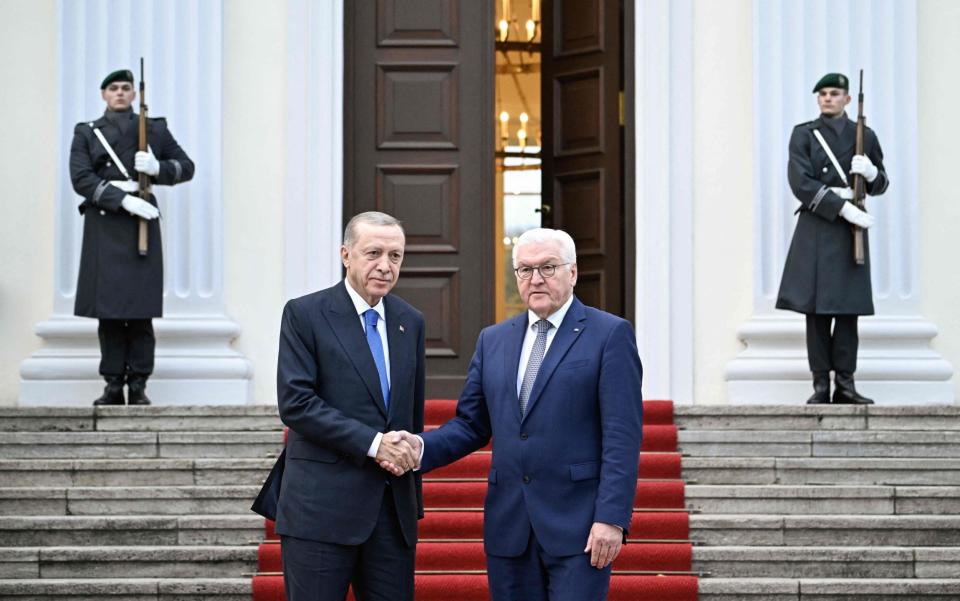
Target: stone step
[(128, 562), (826, 562), (138, 445), (804, 417), (134, 472), (798, 443), (135, 500), (823, 500), (127, 589), (824, 530), (153, 530), (821, 470), (827, 589), (140, 419), (711, 589)]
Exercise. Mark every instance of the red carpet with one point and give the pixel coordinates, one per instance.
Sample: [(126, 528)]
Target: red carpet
[(450, 552)]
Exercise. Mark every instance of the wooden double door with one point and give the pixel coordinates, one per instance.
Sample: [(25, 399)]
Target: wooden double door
[(419, 144)]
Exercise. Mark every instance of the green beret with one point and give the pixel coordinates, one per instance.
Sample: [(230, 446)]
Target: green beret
[(121, 75), (832, 80)]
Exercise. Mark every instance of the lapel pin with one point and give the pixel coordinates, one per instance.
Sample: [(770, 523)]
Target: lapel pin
[(576, 329), (401, 329)]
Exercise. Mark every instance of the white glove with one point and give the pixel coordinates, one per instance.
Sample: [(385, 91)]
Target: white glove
[(844, 193), (126, 185), (862, 165), (145, 162), (139, 207), (856, 216)]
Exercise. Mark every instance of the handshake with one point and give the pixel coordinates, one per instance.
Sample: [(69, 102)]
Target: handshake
[(399, 452)]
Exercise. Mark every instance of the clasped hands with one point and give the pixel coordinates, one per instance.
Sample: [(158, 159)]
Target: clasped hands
[(399, 452)]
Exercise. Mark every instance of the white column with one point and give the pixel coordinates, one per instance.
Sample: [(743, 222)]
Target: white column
[(795, 43), (314, 177), (664, 196), (181, 43)]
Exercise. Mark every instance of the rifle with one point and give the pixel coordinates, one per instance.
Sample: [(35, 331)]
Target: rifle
[(142, 178), (859, 185)]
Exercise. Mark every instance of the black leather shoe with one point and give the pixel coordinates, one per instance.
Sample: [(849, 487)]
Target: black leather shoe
[(846, 393), (821, 388), (112, 393), (137, 391)]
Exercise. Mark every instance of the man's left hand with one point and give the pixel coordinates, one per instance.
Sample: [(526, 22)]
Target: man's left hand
[(603, 544), (861, 164), (145, 162)]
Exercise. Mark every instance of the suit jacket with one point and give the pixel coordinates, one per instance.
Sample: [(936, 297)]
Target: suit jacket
[(115, 282), (572, 459), (820, 275), (328, 393)]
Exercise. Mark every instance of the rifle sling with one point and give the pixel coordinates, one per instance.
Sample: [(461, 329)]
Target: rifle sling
[(113, 155), (833, 157)]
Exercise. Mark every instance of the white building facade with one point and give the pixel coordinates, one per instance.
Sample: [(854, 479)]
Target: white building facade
[(254, 93)]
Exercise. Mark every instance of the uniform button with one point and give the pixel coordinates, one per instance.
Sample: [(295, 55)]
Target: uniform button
[(109, 164), (825, 169), (524, 436), (526, 479), (102, 212)]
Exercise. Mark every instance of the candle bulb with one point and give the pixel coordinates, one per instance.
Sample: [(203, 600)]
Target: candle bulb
[(504, 121), (535, 10), (531, 30), (522, 137), (523, 120), (504, 30)]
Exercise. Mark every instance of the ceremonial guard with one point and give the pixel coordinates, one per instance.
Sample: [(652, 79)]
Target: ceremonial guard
[(121, 271), (821, 278)]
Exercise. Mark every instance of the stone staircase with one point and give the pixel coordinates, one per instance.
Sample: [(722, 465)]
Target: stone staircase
[(790, 503)]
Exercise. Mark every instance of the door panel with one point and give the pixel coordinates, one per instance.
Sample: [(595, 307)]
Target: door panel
[(418, 145), (582, 162)]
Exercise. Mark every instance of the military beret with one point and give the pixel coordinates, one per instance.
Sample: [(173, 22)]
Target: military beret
[(832, 80), (121, 75)]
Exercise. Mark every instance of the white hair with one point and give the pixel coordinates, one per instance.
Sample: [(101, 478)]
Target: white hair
[(370, 218), (540, 235)]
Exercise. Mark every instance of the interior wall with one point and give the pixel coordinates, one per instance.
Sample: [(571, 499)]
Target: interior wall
[(939, 203), (254, 123), (27, 158), (723, 204)]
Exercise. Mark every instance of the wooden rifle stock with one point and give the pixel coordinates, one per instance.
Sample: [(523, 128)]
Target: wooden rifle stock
[(859, 185), (143, 180)]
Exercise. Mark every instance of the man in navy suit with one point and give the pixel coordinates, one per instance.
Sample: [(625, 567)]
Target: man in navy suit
[(558, 390), (351, 368)]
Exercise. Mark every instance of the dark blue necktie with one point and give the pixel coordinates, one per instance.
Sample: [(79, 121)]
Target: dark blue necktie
[(370, 317)]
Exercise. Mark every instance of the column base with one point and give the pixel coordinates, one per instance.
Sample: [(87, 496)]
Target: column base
[(896, 365), (195, 364)]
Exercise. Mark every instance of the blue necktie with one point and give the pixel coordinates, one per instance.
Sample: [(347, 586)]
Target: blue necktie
[(371, 317)]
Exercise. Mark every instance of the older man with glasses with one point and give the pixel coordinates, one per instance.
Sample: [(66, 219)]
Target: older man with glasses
[(558, 390)]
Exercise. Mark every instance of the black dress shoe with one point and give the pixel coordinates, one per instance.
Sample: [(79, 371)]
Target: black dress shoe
[(821, 389), (137, 391), (846, 393), (112, 393)]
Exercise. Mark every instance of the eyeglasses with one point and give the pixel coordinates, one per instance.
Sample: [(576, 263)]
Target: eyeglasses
[(546, 271)]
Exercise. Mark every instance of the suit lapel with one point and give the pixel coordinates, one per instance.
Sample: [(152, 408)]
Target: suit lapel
[(570, 329), (511, 359), (398, 341), (345, 323)]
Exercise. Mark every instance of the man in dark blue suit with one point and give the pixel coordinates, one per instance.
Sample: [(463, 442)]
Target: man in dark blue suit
[(351, 368), (558, 389)]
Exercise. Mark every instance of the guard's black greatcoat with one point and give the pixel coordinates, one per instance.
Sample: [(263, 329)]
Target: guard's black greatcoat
[(115, 282), (820, 275)]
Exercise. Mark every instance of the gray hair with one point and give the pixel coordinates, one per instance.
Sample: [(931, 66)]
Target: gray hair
[(568, 250), (370, 218)]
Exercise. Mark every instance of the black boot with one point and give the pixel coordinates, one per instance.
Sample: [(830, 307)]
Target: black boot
[(821, 388), (846, 393), (112, 392), (137, 390)]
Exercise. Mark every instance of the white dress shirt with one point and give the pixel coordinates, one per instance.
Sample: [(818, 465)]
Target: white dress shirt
[(530, 337), (362, 307)]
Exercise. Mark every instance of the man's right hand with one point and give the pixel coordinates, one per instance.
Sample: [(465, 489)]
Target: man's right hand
[(856, 216), (140, 207), (396, 455)]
